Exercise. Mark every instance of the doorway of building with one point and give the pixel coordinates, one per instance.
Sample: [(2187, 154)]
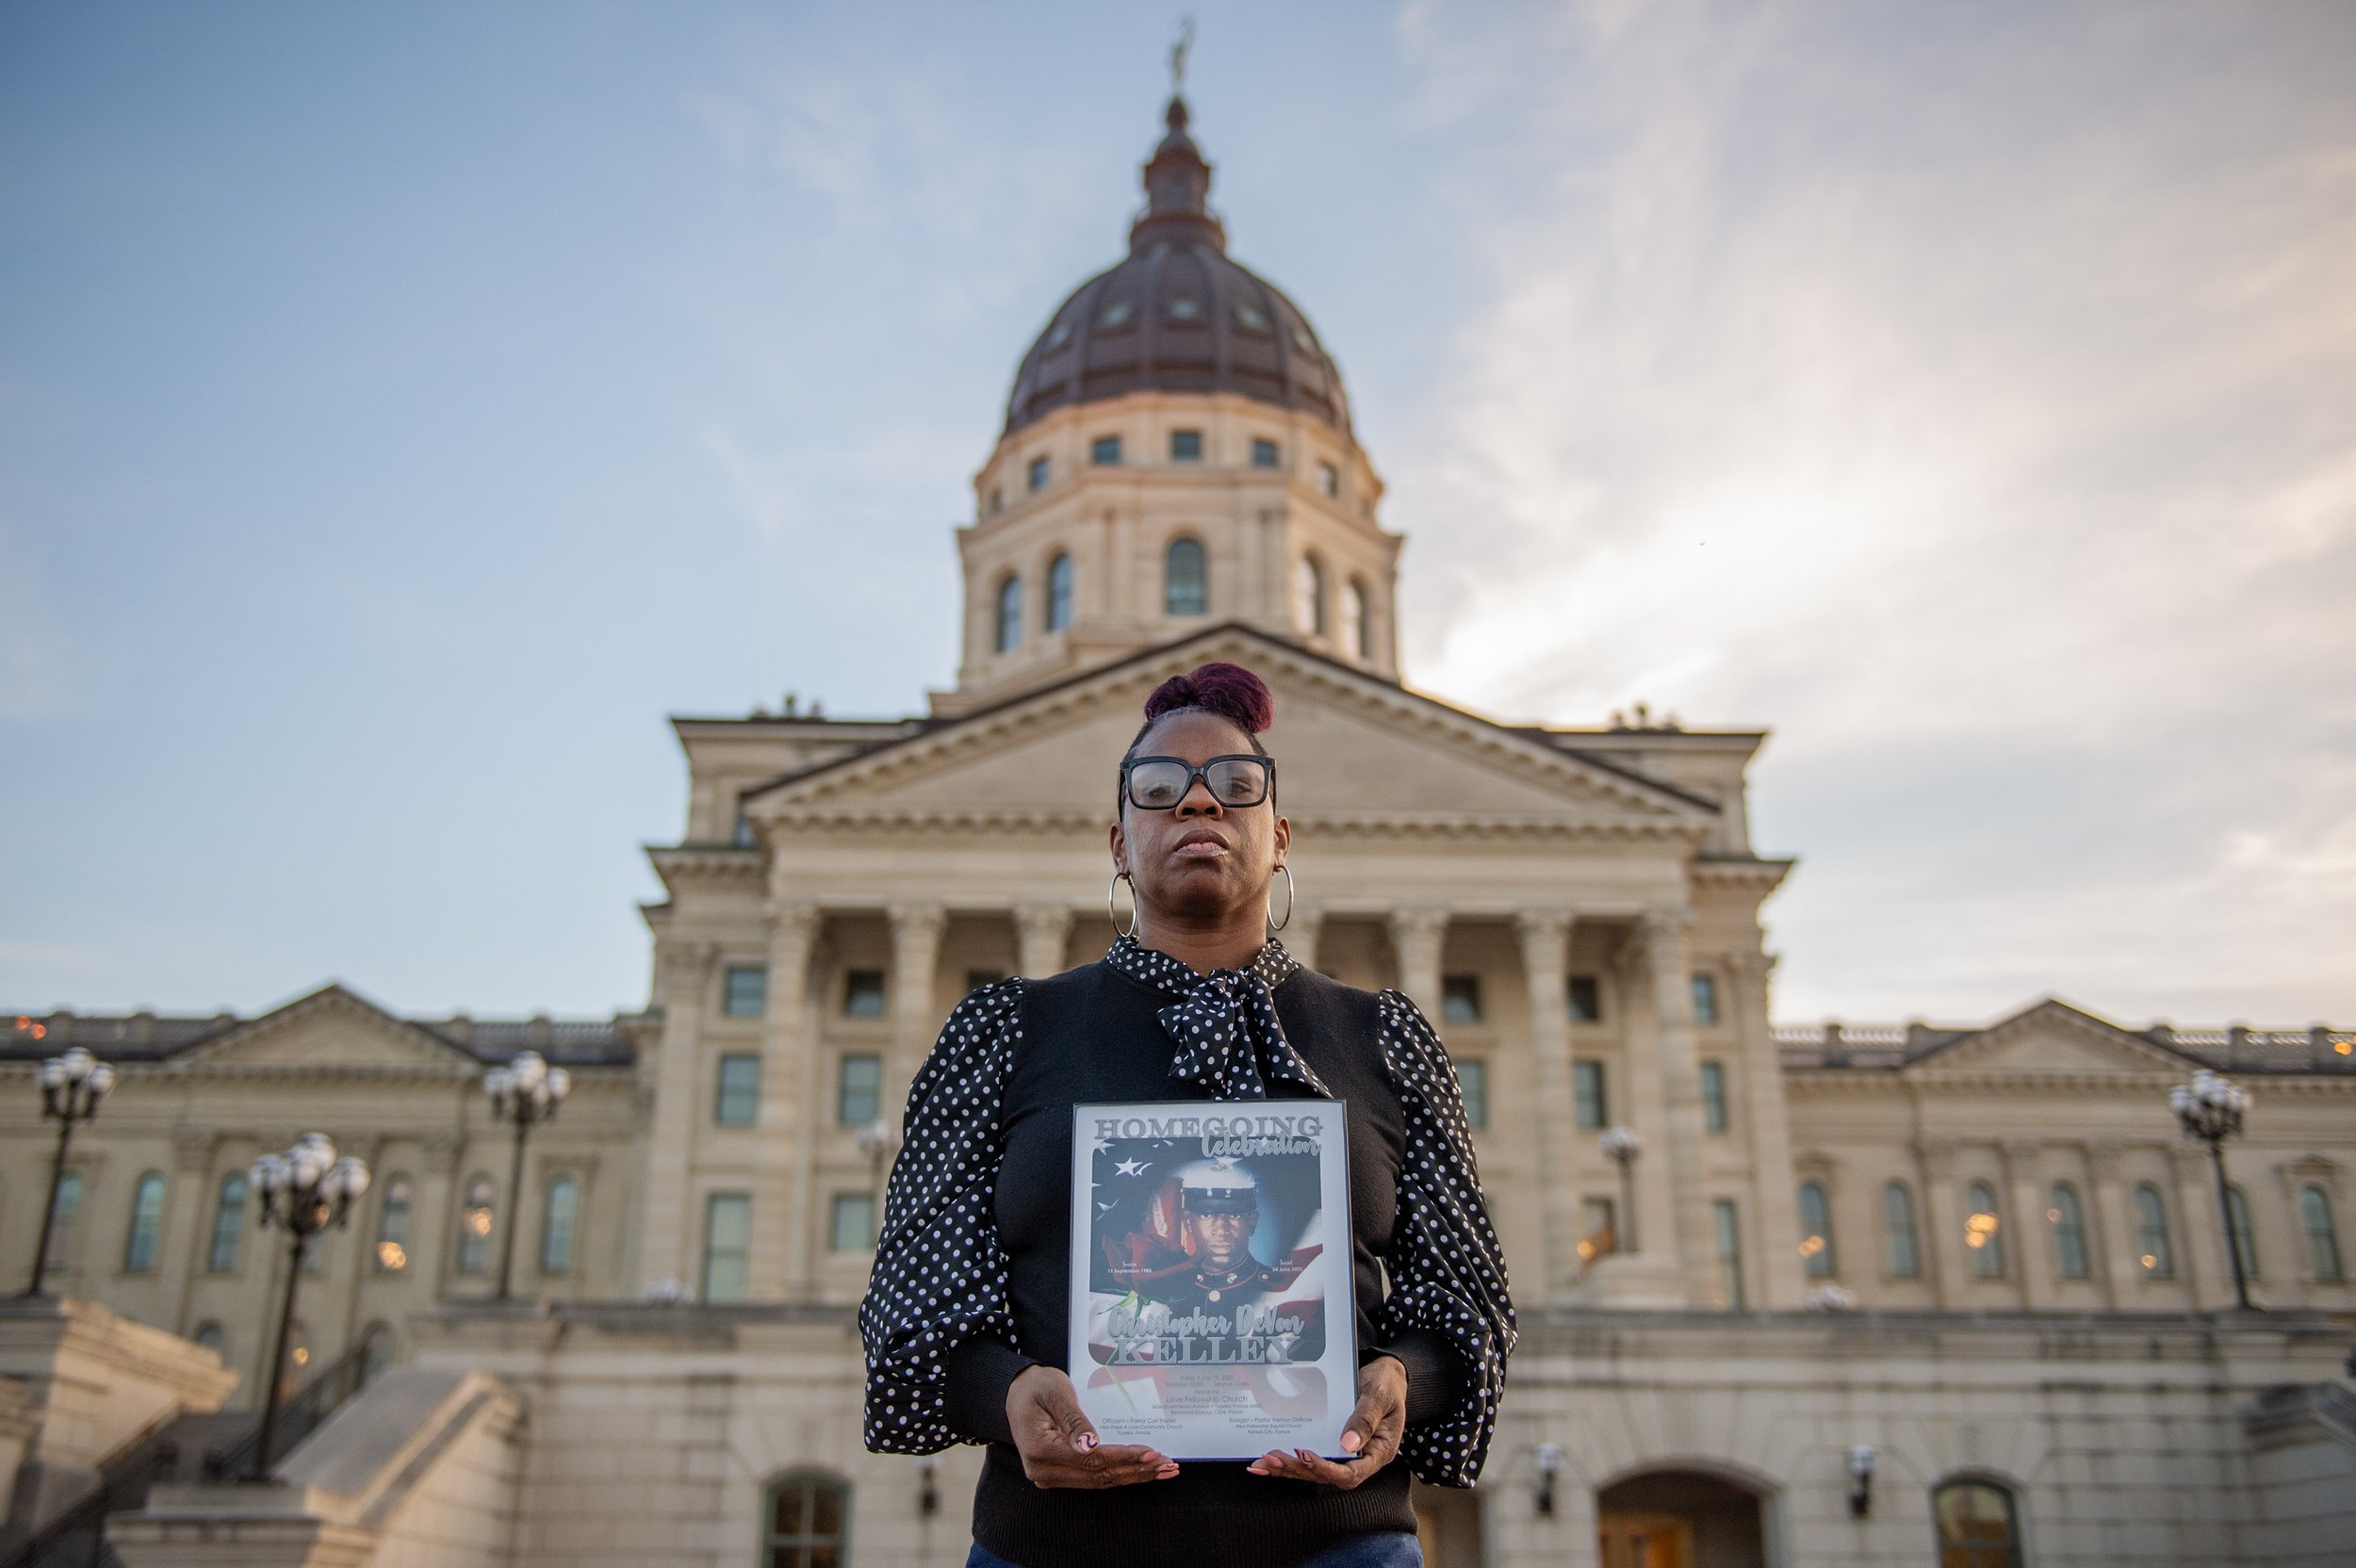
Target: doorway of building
[(1678, 1519)]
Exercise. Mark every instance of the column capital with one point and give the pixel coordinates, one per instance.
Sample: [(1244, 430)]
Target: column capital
[(2019, 1153), (1667, 923), (2107, 1159), (914, 922), (1940, 1156), (1036, 918), (793, 920), (193, 1150), (1751, 963), (1544, 931), (1418, 923), (691, 958)]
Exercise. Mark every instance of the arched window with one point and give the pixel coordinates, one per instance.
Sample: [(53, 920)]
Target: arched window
[(213, 1337), (1815, 1232), (377, 1348), (2070, 1232), (1357, 628), (475, 1221), (2323, 1240), (1981, 1232), (1010, 615), (2245, 1238), (2151, 1251), (559, 1217), (147, 1222), (220, 1255), (1904, 1257), (803, 1522), (1059, 592), (392, 1226), (65, 1219), (1186, 579), (1979, 1526), (1309, 595)]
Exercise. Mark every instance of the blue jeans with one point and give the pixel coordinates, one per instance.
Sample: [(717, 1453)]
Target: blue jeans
[(1385, 1549)]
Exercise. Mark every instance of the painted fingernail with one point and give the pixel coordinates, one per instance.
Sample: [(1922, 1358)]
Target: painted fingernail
[(1086, 1441)]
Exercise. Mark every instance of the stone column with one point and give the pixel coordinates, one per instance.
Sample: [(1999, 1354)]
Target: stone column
[(1767, 1134), (916, 930), (1042, 932), (1546, 961), (2033, 1258), (2111, 1230), (1416, 934), (1301, 934), (683, 972), (789, 1065), (1678, 1065), (2201, 1260), (1941, 1238)]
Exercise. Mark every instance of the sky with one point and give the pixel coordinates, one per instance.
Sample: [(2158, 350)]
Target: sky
[(404, 408)]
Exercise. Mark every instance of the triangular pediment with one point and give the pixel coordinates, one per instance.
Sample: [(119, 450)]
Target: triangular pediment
[(330, 1028), (1352, 749), (2054, 1038)]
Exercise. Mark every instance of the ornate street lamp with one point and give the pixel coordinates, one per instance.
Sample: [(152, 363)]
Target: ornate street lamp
[(1621, 1145), (2210, 1108), (71, 1087), (527, 1091), (308, 1190)]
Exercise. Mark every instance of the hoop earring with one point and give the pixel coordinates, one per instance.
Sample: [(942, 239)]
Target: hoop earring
[(1118, 878), (1291, 898)]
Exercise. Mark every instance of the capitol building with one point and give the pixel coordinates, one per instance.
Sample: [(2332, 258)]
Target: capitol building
[(1791, 1296)]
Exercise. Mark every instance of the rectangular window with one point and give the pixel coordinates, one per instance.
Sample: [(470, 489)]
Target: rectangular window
[(1705, 999), (747, 991), (1263, 454), (738, 1101), (1472, 1081), (1038, 474), (1729, 1251), (1599, 1229), (1586, 999), (854, 1222), (1329, 479), (1593, 1104), (1186, 446), (1105, 451), (1460, 999), (864, 993), (859, 1094), (1714, 1096), (728, 1246)]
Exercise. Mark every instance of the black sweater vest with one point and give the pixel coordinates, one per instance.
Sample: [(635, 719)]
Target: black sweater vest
[(1091, 1035)]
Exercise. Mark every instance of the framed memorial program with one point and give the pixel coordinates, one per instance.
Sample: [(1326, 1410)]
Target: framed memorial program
[(1211, 1293)]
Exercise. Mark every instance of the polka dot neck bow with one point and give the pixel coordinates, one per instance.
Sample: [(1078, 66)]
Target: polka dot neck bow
[(1224, 1024)]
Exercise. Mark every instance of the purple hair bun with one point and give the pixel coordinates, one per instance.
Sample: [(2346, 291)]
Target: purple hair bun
[(1230, 691)]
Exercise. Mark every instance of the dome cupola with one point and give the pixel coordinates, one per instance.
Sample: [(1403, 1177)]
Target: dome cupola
[(1177, 315)]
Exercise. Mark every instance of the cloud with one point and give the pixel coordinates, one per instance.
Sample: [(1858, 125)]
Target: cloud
[(1970, 405)]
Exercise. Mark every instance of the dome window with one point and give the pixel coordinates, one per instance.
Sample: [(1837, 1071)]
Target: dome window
[(1303, 341), (1059, 337), (1059, 592), (997, 501), (1329, 479), (1186, 446), (1357, 628), (1250, 319), (1309, 595), (1186, 307), (1185, 580), (1116, 316), (1010, 615), (1263, 453), (1038, 474), (1105, 451)]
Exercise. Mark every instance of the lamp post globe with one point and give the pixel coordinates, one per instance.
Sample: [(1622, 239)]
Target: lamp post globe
[(306, 1190), (2210, 1106), (1622, 1145), (524, 1093), (73, 1086)]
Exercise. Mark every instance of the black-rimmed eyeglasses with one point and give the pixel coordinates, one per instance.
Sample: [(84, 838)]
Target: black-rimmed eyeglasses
[(1159, 783)]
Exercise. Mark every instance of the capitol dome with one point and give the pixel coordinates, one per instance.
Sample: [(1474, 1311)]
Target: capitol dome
[(1177, 315)]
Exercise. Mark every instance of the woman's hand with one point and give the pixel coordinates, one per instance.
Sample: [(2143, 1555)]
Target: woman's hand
[(1059, 1446), (1373, 1433)]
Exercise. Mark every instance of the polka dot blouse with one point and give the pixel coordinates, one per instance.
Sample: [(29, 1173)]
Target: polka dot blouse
[(940, 1276)]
